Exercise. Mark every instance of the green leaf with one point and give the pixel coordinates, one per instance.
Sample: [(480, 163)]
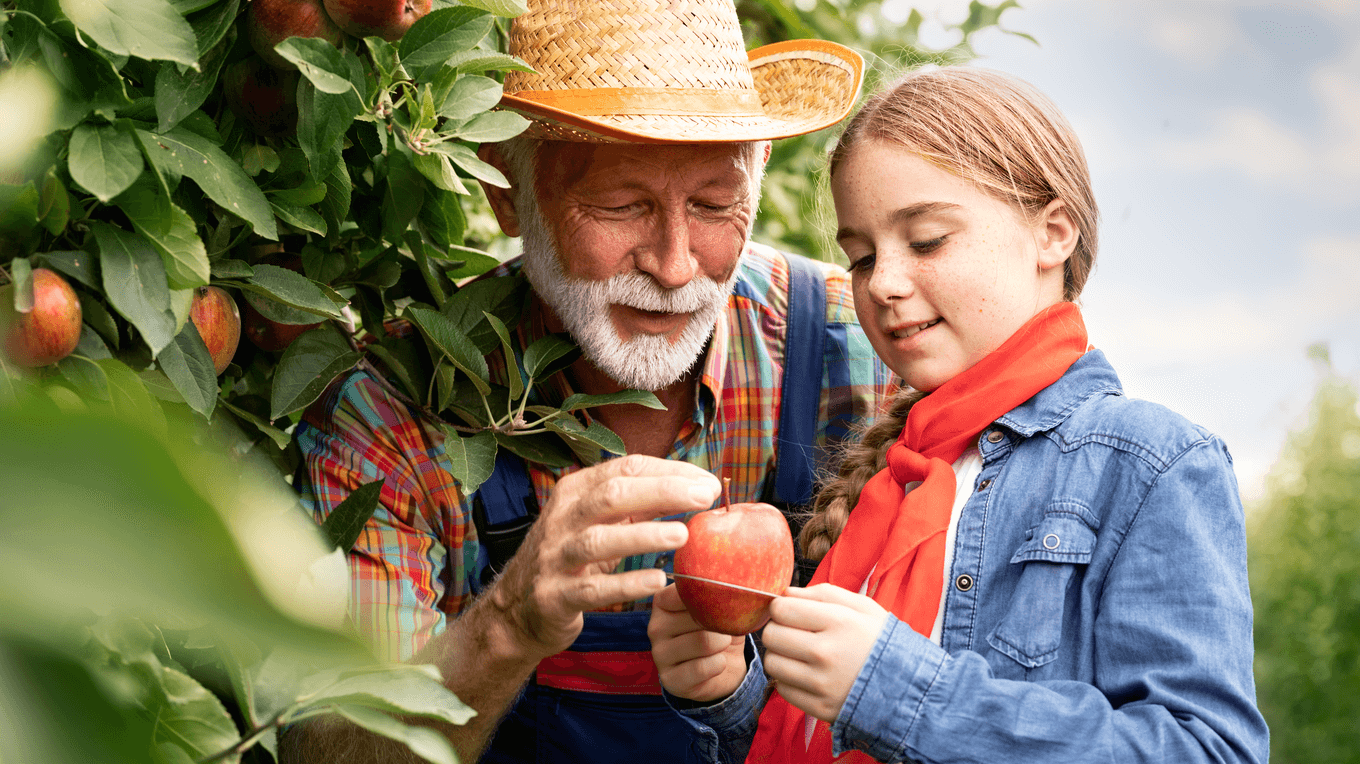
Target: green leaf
[(189, 366), (78, 264), (429, 43), (478, 60), (323, 119), (385, 59), (506, 8), (292, 289), (472, 458), (401, 197), (214, 21), (54, 205), (257, 158), (171, 231), (503, 297), (220, 177), (150, 29), (455, 345), (460, 97), (227, 268), (85, 376), (467, 159), (129, 395), (540, 448), (587, 442), (439, 171), (511, 365), (304, 218), (443, 219), (344, 523), (104, 160), (411, 690), (192, 717), (307, 367), (179, 94), (21, 275), (339, 192), (578, 401), (425, 743), (319, 61), (135, 283), (544, 351), (280, 438), (305, 194), (492, 127), (97, 317)]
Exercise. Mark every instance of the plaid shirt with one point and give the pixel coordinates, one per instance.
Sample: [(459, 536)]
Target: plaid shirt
[(414, 563)]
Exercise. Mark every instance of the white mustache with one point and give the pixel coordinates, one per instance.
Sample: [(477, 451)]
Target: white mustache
[(640, 291)]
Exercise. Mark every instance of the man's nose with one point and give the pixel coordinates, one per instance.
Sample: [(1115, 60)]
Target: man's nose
[(668, 257)]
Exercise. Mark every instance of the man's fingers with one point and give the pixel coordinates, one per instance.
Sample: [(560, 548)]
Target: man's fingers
[(598, 543), (641, 488), (595, 591)]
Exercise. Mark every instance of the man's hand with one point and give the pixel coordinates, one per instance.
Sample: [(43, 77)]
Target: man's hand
[(815, 643), (694, 664), (594, 518)]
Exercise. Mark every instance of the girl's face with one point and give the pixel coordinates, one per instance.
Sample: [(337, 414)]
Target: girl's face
[(943, 273)]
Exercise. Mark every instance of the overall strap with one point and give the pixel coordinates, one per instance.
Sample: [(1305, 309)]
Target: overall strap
[(801, 391), (503, 509)]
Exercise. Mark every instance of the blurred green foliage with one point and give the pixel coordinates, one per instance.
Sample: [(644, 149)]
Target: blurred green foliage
[(1304, 541)]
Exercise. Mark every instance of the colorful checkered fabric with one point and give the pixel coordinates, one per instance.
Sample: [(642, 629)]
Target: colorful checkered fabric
[(412, 565)]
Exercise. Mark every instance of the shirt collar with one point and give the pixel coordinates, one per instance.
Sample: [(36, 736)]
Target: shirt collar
[(1090, 376)]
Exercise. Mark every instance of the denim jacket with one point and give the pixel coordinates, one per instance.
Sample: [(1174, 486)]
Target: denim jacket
[(1099, 610)]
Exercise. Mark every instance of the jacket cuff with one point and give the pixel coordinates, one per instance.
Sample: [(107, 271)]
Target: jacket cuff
[(728, 726), (886, 698)]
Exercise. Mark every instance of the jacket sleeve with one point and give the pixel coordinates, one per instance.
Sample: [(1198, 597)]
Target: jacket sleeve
[(726, 728), (407, 568), (1172, 664)]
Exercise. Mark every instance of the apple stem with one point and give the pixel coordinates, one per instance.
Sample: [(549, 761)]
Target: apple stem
[(727, 493)]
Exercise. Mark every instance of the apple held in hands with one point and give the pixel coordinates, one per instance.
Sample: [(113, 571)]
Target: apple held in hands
[(50, 331), (746, 545)]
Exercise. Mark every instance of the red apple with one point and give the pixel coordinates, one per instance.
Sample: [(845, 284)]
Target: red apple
[(388, 19), (265, 97), (270, 22), (218, 322), (748, 545), (269, 335), (50, 331)]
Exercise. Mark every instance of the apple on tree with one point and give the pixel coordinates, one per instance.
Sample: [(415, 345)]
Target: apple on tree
[(218, 321), (47, 333), (265, 97), (266, 333), (737, 545), (270, 22), (388, 19)]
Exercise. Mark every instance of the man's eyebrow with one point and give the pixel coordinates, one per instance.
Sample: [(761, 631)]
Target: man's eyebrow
[(905, 214)]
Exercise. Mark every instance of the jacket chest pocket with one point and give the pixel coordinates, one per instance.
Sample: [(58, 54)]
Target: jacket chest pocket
[(1032, 630)]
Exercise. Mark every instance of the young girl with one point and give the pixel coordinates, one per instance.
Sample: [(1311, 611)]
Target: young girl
[(1036, 568)]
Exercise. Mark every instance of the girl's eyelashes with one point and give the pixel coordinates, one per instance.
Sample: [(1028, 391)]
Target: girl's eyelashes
[(928, 246)]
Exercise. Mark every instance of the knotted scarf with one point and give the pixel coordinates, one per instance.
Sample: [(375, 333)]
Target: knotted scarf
[(895, 539)]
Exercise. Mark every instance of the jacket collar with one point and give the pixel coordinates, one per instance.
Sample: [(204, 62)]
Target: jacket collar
[(1089, 377)]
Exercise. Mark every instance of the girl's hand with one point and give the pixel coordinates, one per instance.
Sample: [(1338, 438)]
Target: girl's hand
[(693, 663), (815, 643)]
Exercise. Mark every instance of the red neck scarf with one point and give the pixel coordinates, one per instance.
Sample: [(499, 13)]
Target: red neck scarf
[(895, 539)]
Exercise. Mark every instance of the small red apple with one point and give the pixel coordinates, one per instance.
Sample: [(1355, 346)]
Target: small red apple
[(218, 321), (748, 545), (265, 97), (270, 22), (388, 19), (50, 331), (270, 335)]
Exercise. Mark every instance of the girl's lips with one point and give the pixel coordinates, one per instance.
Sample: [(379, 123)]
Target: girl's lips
[(910, 330)]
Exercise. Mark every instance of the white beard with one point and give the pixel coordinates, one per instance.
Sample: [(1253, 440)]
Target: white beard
[(647, 361)]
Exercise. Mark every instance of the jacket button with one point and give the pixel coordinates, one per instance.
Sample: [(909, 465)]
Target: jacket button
[(984, 485), (964, 582), (995, 436)]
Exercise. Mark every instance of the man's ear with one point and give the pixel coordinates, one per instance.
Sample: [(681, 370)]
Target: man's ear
[(1056, 235), (502, 199)]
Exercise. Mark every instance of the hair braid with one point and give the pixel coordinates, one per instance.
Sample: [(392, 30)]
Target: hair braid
[(860, 460)]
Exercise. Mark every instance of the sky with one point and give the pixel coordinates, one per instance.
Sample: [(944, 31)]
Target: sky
[(1224, 145)]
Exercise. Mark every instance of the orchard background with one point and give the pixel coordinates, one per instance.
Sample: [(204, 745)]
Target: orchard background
[(165, 596)]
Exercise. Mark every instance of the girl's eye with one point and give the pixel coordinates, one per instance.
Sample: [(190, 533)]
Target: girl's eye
[(926, 247), (862, 264)]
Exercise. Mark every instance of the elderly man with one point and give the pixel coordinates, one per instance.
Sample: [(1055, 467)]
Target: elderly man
[(634, 195)]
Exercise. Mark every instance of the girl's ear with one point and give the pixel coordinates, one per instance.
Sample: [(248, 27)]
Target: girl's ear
[(1056, 235), (502, 200)]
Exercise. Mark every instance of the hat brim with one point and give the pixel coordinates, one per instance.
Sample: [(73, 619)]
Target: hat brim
[(804, 86)]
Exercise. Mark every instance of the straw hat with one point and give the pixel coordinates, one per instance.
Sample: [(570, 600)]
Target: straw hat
[(670, 71)]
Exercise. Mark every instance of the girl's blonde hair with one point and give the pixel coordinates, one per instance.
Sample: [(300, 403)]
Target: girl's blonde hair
[(1010, 140)]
